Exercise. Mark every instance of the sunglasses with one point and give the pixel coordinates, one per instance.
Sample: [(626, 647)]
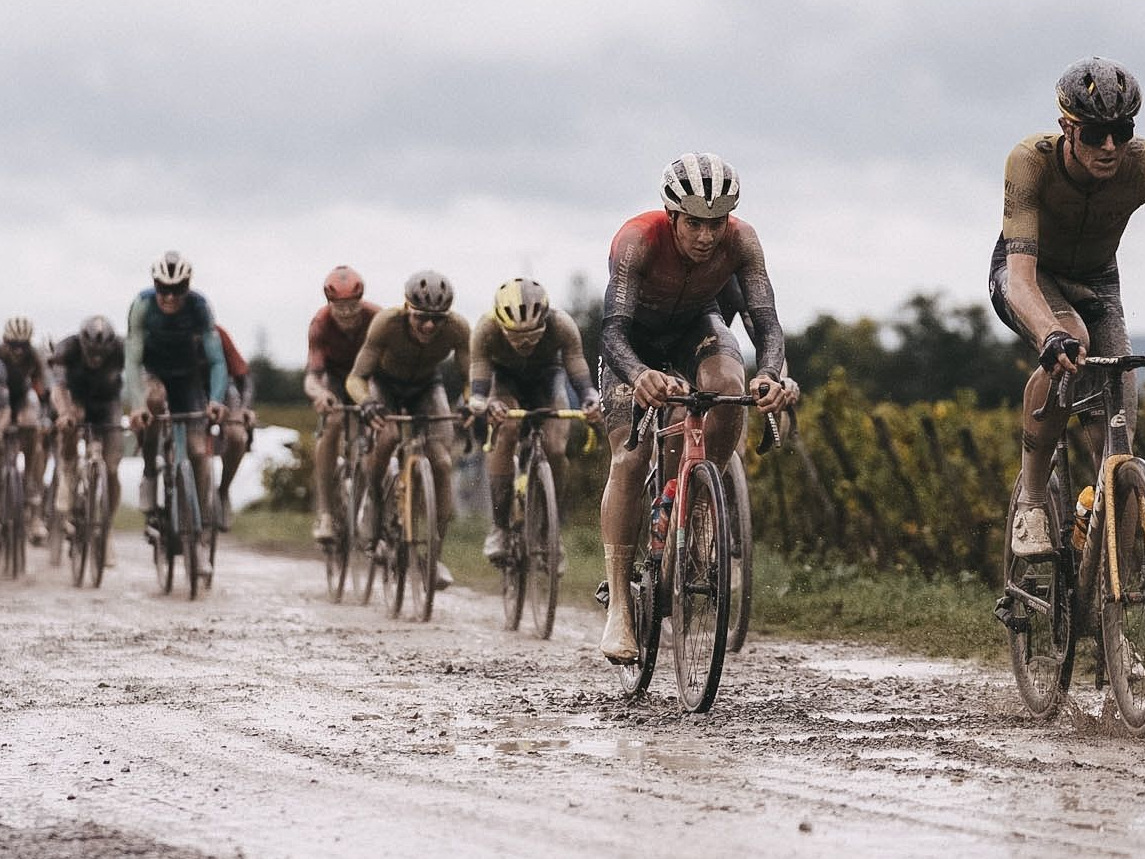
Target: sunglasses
[(421, 317), (176, 290), (1094, 134)]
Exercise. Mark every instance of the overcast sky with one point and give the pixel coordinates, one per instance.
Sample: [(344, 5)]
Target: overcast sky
[(271, 141)]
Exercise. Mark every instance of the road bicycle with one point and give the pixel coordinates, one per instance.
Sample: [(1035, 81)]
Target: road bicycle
[(90, 517), (175, 527), (350, 480), (13, 548), (531, 568), (396, 525), (694, 571), (1098, 589)]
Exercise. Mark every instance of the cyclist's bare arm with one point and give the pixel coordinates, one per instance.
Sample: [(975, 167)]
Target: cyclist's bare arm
[(1030, 306)]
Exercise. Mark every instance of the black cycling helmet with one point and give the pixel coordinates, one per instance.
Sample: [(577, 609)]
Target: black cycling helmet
[(97, 337), (1098, 90)]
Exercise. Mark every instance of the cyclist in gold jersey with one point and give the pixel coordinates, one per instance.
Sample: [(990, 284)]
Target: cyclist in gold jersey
[(1053, 276), (399, 366)]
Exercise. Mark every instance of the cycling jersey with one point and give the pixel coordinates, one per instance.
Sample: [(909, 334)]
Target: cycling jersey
[(25, 374), (96, 390), (332, 350), (165, 345), (560, 346), (391, 355), (1072, 230), (656, 295)]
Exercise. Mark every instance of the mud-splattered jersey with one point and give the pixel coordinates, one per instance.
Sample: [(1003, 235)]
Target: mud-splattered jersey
[(1072, 230), (390, 352), (91, 388), (331, 350), (561, 344)]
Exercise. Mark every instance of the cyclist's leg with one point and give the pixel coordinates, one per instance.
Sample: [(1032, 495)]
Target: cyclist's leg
[(499, 467), (437, 449), (713, 361), (156, 402), (233, 438), (32, 443), (618, 522), (112, 438), (66, 454), (326, 449), (556, 435)]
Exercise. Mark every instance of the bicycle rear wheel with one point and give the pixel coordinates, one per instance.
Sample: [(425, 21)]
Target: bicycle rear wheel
[(700, 590), (644, 585), (421, 542), (390, 536), (337, 550), (739, 521), (542, 545), (1123, 614), (78, 543), (190, 526), (1041, 630), (99, 521)]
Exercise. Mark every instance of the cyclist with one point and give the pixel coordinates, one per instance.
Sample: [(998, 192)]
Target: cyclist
[(235, 435), (661, 322), (27, 384), (337, 333), (168, 327), (88, 369), (1053, 274), (524, 354), (399, 367)]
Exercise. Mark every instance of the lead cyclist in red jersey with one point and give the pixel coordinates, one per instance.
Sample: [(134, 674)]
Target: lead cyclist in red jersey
[(662, 330)]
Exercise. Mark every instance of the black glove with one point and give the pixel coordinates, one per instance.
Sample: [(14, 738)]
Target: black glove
[(372, 409), (1055, 344)]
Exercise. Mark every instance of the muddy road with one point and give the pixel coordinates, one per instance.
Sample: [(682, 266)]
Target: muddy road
[(262, 721)]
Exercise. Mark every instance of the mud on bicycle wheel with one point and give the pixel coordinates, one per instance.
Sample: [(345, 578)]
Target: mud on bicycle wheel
[(420, 546), (1123, 618), (739, 520), (361, 525), (187, 501), (99, 521), (1041, 642), (78, 543), (337, 551), (12, 523), (542, 546), (701, 587), (55, 520), (647, 609), (384, 566)]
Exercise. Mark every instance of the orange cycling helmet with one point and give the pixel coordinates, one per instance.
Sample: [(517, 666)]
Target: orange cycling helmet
[(342, 284)]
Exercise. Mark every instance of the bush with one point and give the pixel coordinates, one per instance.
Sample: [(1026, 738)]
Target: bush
[(290, 485)]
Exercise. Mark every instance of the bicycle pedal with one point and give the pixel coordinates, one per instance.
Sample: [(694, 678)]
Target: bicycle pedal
[(1002, 611), (602, 594)]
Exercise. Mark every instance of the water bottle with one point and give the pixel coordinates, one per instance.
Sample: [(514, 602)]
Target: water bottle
[(661, 516), (1081, 516)]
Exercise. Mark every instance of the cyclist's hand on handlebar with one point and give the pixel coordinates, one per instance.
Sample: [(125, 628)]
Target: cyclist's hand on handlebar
[(652, 388), (590, 405), (67, 421), (1061, 352), (770, 394), (140, 419), (325, 402), (249, 418), (374, 413), (497, 411), (216, 412)]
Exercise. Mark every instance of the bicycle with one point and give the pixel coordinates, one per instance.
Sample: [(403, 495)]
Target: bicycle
[(1097, 589), (694, 571), (532, 565), (175, 527), (349, 484), (90, 507), (397, 529), (13, 548)]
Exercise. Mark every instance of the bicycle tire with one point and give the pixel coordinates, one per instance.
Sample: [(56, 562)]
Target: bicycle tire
[(420, 543), (361, 525), (739, 520), (78, 542), (190, 525), (55, 521), (514, 567), (542, 545), (163, 544), (647, 608), (337, 551), (1123, 616), (1041, 642), (12, 525), (212, 518), (701, 589), (99, 522)]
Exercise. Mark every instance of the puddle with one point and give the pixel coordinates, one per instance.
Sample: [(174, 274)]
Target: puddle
[(883, 669), (848, 718), (636, 751)]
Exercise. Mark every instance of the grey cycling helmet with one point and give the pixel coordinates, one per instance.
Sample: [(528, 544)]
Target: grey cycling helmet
[(700, 184), (429, 292), (1098, 90), (97, 337), (521, 305), (171, 269)]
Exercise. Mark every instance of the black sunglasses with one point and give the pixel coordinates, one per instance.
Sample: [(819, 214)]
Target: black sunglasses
[(177, 289), (1094, 134)]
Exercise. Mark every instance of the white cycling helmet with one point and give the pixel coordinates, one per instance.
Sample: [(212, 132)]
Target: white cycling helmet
[(171, 269), (18, 329), (700, 184)]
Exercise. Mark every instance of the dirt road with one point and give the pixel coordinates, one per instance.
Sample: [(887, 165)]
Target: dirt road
[(262, 721)]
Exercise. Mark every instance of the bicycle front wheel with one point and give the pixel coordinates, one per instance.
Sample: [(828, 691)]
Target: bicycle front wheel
[(189, 524), (644, 585), (13, 523), (163, 543), (361, 527), (385, 561), (337, 550), (701, 590), (78, 544), (99, 521), (1040, 630), (739, 521), (55, 521), (1123, 607), (542, 545), (421, 543)]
